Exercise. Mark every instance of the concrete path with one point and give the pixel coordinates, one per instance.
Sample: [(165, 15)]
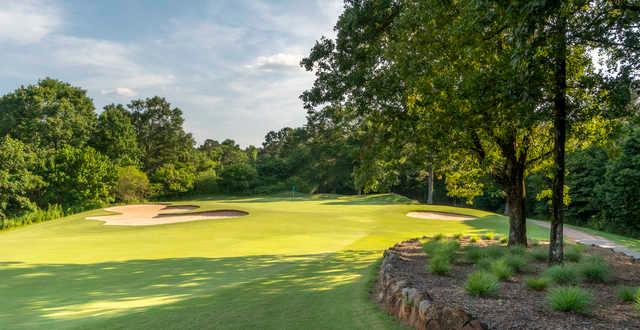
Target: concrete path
[(588, 239)]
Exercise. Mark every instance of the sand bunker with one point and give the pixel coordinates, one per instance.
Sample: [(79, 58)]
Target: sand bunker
[(157, 214), (439, 216)]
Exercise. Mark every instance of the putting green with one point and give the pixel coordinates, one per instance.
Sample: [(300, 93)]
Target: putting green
[(302, 263)]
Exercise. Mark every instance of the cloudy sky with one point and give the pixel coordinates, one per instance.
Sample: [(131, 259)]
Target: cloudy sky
[(231, 66)]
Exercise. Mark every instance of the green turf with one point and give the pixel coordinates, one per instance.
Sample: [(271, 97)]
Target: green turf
[(298, 264)]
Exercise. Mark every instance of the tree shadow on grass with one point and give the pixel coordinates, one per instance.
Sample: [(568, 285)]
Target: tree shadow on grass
[(381, 199), (267, 291)]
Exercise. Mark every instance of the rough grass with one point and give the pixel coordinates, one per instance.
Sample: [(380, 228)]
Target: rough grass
[(628, 294), (292, 263), (570, 299)]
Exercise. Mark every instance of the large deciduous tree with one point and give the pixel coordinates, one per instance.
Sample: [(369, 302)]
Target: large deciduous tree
[(161, 137), (50, 113), (115, 136)]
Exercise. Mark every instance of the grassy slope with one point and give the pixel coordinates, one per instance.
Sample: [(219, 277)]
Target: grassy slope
[(289, 264)]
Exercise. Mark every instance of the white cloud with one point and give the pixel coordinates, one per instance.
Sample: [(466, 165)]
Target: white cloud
[(276, 61), (122, 91), (27, 21)]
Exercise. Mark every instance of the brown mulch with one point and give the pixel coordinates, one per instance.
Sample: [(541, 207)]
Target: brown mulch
[(516, 306)]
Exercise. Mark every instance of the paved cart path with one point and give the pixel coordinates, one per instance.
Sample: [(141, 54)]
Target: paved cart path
[(589, 239)]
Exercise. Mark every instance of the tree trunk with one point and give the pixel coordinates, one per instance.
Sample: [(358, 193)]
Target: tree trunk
[(560, 128), (430, 186), (516, 205)]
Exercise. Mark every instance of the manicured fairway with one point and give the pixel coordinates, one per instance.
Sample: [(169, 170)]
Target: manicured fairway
[(297, 264)]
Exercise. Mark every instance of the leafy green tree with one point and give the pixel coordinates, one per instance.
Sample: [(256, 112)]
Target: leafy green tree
[(18, 183), (78, 178), (50, 113), (238, 178), (173, 180), (132, 185), (161, 137), (115, 136), (620, 190)]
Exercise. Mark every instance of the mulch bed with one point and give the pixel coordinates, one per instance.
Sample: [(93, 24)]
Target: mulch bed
[(516, 306)]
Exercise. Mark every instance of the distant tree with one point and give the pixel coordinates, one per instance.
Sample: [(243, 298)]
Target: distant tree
[(132, 185), (18, 183), (161, 137), (238, 178), (115, 136), (78, 178), (620, 189), (50, 113)]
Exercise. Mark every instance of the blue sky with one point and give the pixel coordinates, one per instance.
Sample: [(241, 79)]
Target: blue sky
[(231, 66)]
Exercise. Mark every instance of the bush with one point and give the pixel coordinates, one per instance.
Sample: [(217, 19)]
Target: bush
[(628, 294), (570, 299), (540, 254), (501, 269), (482, 284), (457, 236), (594, 269), (438, 236), (563, 274), (38, 215), (573, 253), (538, 283), (485, 263), (440, 264), (473, 239), (132, 185), (504, 240), (518, 250)]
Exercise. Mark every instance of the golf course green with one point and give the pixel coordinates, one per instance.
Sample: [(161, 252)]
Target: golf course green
[(303, 263)]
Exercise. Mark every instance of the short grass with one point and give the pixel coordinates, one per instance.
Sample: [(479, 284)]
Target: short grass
[(304, 263)]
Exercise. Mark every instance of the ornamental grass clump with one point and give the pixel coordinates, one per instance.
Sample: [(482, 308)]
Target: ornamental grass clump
[(501, 269), (517, 262), (570, 299), (563, 274), (594, 269), (473, 254), (539, 254), (573, 253), (538, 283), (482, 284), (628, 293), (440, 265)]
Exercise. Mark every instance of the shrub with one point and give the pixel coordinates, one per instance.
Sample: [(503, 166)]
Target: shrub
[(238, 178), (573, 253), (132, 185), (482, 284), (628, 294), (473, 239), (504, 240), (206, 182), (570, 299), (594, 269), (563, 274), (537, 283), (172, 179), (441, 247), (501, 269), (440, 264), (457, 236), (485, 263), (539, 254)]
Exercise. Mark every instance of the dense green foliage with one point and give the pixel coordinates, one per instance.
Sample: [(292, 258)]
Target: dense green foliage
[(570, 299)]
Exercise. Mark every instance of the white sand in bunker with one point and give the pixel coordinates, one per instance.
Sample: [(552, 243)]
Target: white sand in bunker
[(439, 216), (157, 214)]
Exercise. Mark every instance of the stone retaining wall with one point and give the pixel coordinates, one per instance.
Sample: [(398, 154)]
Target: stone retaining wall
[(397, 294)]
